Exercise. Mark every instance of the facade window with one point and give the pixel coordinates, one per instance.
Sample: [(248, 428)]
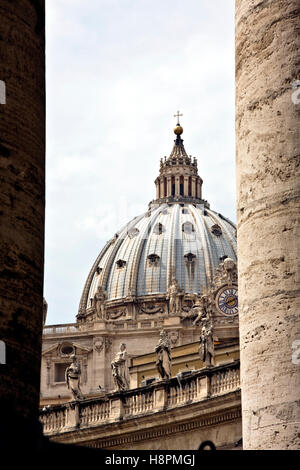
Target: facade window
[(67, 349), (59, 371), (181, 185), (120, 263)]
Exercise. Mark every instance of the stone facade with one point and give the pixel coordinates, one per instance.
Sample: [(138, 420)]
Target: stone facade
[(268, 192), (96, 342)]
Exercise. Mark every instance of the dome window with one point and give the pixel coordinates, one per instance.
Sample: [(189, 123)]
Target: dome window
[(98, 270), (158, 228), (133, 232), (153, 260), (120, 263), (216, 230), (188, 227), (189, 258)]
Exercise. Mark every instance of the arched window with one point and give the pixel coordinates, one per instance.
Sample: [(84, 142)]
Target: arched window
[(181, 185)]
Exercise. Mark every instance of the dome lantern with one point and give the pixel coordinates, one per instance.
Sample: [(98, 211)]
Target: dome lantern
[(178, 179)]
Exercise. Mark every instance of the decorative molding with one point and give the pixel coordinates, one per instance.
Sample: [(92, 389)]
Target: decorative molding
[(98, 344), (116, 314), (151, 308), (107, 343), (164, 431)]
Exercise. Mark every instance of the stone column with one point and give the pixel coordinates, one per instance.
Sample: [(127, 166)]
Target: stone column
[(199, 195), (169, 186), (162, 187), (193, 186), (22, 200), (186, 186), (268, 213), (157, 188), (177, 186)]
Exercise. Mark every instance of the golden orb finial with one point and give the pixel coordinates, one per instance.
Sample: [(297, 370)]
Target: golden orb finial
[(178, 130)]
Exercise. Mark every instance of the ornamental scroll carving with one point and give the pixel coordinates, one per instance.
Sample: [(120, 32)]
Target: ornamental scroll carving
[(151, 309), (116, 314)]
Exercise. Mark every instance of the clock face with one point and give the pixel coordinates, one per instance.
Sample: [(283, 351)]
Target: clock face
[(227, 301)]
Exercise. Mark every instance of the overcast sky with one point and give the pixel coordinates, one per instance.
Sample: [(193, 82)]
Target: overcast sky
[(117, 72)]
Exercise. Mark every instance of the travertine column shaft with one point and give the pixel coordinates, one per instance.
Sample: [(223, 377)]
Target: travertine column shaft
[(169, 186), (22, 200), (162, 194), (268, 213)]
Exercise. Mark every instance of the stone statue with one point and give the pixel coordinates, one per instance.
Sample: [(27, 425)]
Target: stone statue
[(174, 295), (202, 311), (100, 303), (120, 369), (206, 349), (163, 351), (72, 376)]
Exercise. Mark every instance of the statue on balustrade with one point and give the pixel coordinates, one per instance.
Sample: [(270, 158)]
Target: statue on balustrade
[(100, 303), (120, 369), (174, 295), (206, 349), (163, 351), (72, 376)]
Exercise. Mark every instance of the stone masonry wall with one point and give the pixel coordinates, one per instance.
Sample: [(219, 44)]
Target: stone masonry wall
[(268, 191)]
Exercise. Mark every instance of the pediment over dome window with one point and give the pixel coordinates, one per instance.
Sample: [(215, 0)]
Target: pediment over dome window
[(133, 232), (189, 257), (120, 263), (66, 349), (188, 227), (158, 228), (153, 260), (216, 230)]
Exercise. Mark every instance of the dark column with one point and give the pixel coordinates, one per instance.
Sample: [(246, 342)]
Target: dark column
[(22, 204)]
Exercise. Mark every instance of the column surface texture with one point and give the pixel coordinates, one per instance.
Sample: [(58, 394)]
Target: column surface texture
[(268, 212), (22, 172)]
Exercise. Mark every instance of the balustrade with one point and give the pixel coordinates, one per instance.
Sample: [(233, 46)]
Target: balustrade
[(160, 395)]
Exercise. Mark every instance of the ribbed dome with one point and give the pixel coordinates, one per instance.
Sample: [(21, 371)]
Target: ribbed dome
[(187, 242)]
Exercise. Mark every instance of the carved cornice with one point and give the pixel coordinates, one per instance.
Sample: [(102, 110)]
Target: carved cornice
[(162, 432)]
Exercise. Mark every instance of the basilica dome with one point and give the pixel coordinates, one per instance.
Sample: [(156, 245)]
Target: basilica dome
[(179, 236)]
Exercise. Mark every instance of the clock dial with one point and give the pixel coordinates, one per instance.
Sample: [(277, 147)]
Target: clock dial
[(227, 301)]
